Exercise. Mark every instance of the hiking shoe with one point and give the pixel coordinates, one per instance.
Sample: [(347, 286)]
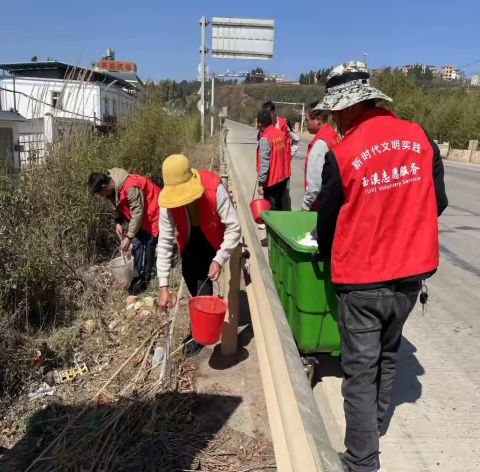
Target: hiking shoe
[(131, 286), (191, 348)]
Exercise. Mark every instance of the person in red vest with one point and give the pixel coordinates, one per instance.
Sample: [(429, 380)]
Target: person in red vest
[(273, 162), (291, 141), (135, 200), (325, 138), (382, 192), (195, 209)]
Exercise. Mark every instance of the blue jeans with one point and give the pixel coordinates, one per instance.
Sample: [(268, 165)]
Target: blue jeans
[(144, 244), (371, 324)]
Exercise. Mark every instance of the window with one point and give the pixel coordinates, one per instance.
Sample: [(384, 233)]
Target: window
[(114, 107), (56, 100), (107, 106)]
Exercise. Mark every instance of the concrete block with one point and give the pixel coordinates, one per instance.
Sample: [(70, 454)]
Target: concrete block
[(473, 144), (475, 158), (459, 155), (444, 149)]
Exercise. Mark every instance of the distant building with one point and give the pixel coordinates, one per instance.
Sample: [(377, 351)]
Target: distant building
[(54, 96), (475, 80), (407, 68), (450, 73)]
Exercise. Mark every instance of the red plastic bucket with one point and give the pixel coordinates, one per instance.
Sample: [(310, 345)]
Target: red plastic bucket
[(257, 206), (206, 316)]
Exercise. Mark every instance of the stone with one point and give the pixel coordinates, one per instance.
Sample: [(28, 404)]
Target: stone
[(112, 325), (149, 301), (131, 299), (131, 306), (137, 305), (90, 326)]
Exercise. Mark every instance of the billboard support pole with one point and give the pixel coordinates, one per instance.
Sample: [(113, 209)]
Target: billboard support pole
[(202, 79), (212, 107)]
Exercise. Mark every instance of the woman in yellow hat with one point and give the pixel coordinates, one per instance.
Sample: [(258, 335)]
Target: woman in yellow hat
[(197, 206)]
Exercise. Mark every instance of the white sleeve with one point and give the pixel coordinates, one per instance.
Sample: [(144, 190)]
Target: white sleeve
[(166, 241), (314, 173), (295, 141), (228, 217)]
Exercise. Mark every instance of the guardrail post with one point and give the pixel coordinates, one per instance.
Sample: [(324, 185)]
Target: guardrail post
[(232, 296)]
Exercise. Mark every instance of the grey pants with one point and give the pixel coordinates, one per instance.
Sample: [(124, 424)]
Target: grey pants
[(371, 324)]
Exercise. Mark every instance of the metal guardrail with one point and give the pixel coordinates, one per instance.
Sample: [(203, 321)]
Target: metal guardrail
[(299, 434)]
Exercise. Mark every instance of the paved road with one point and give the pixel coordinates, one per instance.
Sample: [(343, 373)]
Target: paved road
[(436, 421)]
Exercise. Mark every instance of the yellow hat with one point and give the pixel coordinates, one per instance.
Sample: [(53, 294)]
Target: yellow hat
[(181, 184)]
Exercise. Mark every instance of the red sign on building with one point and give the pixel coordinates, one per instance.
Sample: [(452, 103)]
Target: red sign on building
[(117, 66)]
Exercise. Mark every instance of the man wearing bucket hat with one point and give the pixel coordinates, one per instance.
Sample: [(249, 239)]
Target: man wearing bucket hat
[(197, 205), (382, 191), (135, 200)]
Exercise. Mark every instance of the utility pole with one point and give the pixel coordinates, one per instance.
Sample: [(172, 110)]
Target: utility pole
[(303, 117), (212, 107), (202, 78)]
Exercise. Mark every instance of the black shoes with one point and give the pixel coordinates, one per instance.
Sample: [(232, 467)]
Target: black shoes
[(136, 286), (191, 348)]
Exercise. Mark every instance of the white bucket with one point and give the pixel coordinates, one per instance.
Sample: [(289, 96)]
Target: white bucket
[(122, 269)]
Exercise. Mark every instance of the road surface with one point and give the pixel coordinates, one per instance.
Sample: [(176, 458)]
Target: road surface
[(436, 418)]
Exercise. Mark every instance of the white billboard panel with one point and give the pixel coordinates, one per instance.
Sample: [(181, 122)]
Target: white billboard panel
[(242, 38)]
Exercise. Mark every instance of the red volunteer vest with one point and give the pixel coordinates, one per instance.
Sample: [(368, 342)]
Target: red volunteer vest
[(330, 136), (280, 160), (210, 223), (387, 229), (150, 202), (283, 127)]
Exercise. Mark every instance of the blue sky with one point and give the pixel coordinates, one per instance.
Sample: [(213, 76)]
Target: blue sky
[(163, 37)]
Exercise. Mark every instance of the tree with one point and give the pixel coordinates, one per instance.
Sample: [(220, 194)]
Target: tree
[(34, 59), (302, 79)]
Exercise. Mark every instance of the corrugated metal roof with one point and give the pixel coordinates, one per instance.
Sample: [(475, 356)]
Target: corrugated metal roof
[(127, 77), (11, 116), (29, 68)]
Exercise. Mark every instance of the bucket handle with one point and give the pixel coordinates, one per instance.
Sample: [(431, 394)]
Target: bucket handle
[(254, 190), (123, 254), (204, 282)]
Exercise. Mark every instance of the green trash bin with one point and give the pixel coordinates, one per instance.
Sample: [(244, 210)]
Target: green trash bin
[(304, 286)]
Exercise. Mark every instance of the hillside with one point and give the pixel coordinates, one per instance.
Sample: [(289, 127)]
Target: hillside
[(244, 101)]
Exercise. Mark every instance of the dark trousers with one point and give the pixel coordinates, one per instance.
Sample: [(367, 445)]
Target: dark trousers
[(371, 324), (144, 244), (196, 260), (278, 195)]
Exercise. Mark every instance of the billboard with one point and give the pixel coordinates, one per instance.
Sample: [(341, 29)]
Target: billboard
[(117, 66), (242, 38)]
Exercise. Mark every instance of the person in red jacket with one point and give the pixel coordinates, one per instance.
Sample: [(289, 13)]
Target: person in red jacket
[(382, 192), (273, 162), (325, 137), (196, 206), (135, 200), (291, 142)]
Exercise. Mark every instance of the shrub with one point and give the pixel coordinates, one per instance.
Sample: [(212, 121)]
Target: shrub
[(50, 227)]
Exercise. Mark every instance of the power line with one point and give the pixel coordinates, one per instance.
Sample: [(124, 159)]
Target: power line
[(469, 64), (48, 104)]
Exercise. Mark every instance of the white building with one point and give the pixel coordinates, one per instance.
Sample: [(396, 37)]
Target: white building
[(408, 67), (52, 95), (9, 136), (475, 80), (450, 73)]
